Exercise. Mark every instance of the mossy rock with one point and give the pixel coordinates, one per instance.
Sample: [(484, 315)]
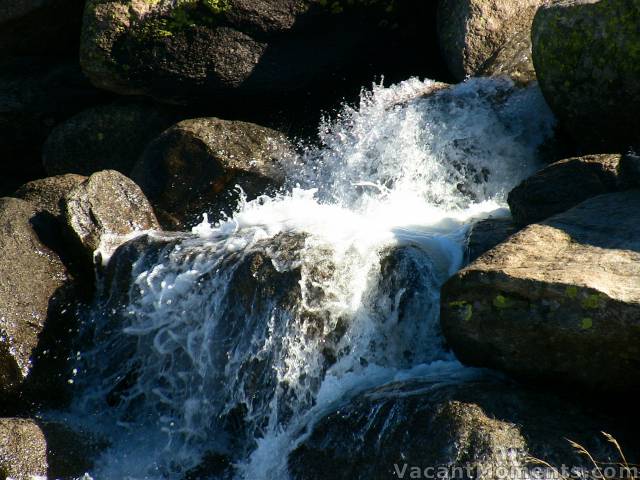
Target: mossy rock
[(587, 58)]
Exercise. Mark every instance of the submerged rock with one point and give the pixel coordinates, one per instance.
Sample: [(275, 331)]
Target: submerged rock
[(485, 37), (107, 205), (560, 300), (194, 167), (587, 58), (110, 137), (479, 428), (563, 185)]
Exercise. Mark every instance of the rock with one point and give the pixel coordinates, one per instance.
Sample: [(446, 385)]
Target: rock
[(558, 301), (198, 50), (105, 205), (563, 185), (478, 427), (46, 194), (488, 233), (587, 57), (30, 448), (34, 97), (194, 167), (23, 449), (485, 37), (40, 27), (32, 291), (110, 137), (630, 170)]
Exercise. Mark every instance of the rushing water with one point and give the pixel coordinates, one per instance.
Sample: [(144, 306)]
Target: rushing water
[(237, 337)]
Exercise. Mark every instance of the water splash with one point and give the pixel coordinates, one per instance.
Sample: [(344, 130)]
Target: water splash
[(235, 338)]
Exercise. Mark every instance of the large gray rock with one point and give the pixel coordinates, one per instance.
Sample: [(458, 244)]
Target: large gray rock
[(39, 27), (46, 194), (560, 300), (481, 427), (194, 167), (106, 205), (563, 185), (110, 137), (33, 284), (487, 37), (195, 50), (587, 58)]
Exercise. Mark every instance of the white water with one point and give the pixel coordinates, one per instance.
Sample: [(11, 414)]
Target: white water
[(383, 207)]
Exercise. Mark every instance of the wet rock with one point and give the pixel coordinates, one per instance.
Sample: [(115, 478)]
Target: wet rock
[(33, 448), (587, 58), (480, 427), (32, 290), (40, 27), (110, 137), (34, 97), (106, 205), (488, 233), (194, 167), (46, 194), (563, 185), (484, 37), (23, 449), (557, 301), (195, 50)]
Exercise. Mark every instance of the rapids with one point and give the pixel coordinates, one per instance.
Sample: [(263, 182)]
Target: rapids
[(236, 337)]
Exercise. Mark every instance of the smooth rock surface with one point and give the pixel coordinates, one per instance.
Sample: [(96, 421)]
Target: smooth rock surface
[(558, 301), (563, 185), (488, 233), (105, 205), (587, 58), (194, 166), (487, 37)]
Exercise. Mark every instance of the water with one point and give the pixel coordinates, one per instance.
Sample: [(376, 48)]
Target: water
[(235, 338)]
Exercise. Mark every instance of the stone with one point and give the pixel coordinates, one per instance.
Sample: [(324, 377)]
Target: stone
[(559, 301), (23, 449), (563, 185), (488, 233), (587, 59), (487, 37), (479, 427), (194, 167), (106, 205), (46, 194), (109, 137)]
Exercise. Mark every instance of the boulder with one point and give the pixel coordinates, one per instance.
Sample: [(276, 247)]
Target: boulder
[(104, 206), (23, 449), (192, 51), (30, 449), (630, 170), (40, 27), (46, 194), (32, 292), (558, 301), (563, 185), (587, 58), (34, 97), (194, 167), (479, 428), (485, 37), (486, 234), (109, 137)]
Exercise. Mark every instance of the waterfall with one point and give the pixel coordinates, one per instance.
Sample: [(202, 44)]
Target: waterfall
[(225, 344)]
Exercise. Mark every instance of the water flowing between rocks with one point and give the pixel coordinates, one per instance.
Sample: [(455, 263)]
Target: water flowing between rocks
[(226, 344)]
